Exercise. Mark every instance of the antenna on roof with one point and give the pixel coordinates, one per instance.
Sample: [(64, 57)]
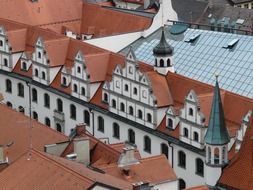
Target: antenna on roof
[(161, 6)]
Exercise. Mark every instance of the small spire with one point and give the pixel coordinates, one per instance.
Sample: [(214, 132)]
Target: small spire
[(163, 48), (217, 133)]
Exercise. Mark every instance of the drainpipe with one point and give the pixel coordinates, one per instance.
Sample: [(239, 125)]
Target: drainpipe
[(172, 155), (92, 115)]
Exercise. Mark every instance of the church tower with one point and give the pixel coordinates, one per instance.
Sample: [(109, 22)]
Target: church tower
[(163, 54), (216, 140)]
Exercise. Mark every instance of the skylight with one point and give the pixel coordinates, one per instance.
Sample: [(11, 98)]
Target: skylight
[(193, 38), (231, 44)]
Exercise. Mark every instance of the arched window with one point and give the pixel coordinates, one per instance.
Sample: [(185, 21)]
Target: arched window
[(36, 72), (8, 86), (79, 69), (58, 127), (199, 167), (101, 127), (5, 62), (39, 55), (59, 105), (21, 109), (131, 136), (46, 100), (47, 122), (64, 81), (105, 97), (34, 95), (131, 110), (139, 114), (161, 63), (116, 132), (170, 123), (181, 159), (43, 75), (87, 117), (216, 155), (185, 132), (1, 43), (165, 150), (135, 91), (126, 87), (9, 104), (168, 62), (149, 117), (182, 184), (83, 91), (122, 107), (20, 90), (73, 111), (35, 115), (147, 144), (114, 103), (75, 88), (24, 66), (196, 136), (190, 111)]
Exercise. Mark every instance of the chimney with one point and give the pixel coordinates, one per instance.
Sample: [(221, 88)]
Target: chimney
[(127, 159), (80, 129), (82, 150)]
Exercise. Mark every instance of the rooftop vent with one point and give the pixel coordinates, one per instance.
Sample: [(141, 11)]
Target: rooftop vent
[(193, 38), (231, 44)]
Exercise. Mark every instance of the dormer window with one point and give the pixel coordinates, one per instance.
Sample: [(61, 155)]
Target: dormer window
[(185, 131), (190, 111), (24, 66), (114, 103), (43, 75), (83, 91), (126, 87), (196, 136), (149, 117), (105, 97), (168, 63), (39, 55), (122, 107), (131, 110), (75, 88), (135, 91), (36, 72), (5, 62), (64, 81), (79, 69), (170, 123)]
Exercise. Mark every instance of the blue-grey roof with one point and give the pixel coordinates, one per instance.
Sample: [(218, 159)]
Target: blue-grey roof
[(217, 133), (199, 54)]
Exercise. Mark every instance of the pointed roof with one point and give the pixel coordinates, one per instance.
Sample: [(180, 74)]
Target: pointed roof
[(163, 48), (217, 133)]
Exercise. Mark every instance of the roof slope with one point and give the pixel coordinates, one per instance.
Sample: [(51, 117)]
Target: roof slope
[(240, 166), (14, 126), (100, 21), (217, 133)]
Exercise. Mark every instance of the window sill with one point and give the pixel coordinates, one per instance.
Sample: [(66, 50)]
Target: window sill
[(116, 137), (147, 151), (199, 174), (183, 167)]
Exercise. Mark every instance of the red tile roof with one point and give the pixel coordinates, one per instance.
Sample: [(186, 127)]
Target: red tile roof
[(101, 21), (238, 174), (45, 171), (153, 170), (14, 127)]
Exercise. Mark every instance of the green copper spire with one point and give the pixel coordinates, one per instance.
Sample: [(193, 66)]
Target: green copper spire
[(217, 133)]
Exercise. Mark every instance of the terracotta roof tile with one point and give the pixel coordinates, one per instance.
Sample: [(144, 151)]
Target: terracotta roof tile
[(14, 126), (154, 169), (198, 188), (110, 22)]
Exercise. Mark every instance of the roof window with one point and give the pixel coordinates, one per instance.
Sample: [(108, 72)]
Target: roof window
[(231, 44), (193, 38)]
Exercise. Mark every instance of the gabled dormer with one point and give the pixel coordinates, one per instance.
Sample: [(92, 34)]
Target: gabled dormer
[(80, 78), (65, 77), (172, 118), (5, 48), (132, 66), (192, 121), (241, 132), (25, 62), (79, 69)]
